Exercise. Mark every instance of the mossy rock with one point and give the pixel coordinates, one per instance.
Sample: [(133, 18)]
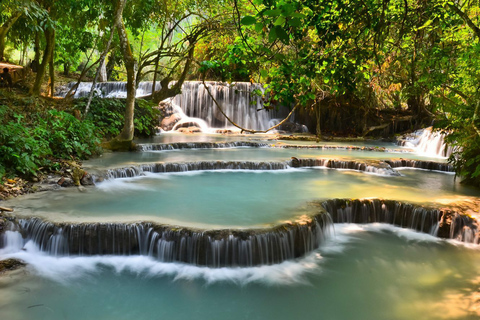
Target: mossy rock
[(10, 264), (119, 145)]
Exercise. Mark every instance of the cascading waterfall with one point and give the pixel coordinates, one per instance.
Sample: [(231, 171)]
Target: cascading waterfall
[(109, 89), (212, 248), (238, 101), (418, 164), (428, 142), (198, 145), (377, 167), (443, 223), (229, 247)]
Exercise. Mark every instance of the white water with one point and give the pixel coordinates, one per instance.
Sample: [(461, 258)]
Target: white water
[(236, 100), (372, 272), (110, 89), (429, 143), (364, 272)]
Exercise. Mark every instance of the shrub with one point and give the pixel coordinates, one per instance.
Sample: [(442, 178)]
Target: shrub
[(26, 145), (108, 116)]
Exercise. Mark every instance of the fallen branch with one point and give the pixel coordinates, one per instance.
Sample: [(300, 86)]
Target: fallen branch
[(382, 126), (239, 126), (6, 209)]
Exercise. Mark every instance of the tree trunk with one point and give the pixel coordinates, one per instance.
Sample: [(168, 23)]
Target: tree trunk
[(37, 48), (166, 92), (102, 75), (50, 38), (52, 66), (129, 61), (4, 30), (110, 66), (66, 69)]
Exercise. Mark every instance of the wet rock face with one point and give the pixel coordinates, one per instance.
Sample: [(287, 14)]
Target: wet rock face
[(293, 127)]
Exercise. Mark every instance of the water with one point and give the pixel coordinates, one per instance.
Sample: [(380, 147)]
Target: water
[(233, 198), (114, 160), (364, 272), (360, 271)]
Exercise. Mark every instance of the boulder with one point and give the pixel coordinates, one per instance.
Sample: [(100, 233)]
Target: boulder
[(169, 122)]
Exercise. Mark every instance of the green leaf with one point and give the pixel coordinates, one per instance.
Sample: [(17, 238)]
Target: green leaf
[(280, 21), (258, 26), (248, 20), (272, 13), (295, 22), (297, 15), (264, 73), (272, 35), (281, 34)]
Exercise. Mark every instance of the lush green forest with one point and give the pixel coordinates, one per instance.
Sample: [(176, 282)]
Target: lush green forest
[(345, 66)]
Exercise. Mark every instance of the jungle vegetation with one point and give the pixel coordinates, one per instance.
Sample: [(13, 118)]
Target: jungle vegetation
[(350, 66)]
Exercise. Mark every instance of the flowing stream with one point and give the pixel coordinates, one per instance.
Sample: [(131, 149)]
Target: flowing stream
[(241, 227)]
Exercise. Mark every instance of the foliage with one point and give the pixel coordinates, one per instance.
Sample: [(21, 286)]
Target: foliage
[(108, 116), (30, 144)]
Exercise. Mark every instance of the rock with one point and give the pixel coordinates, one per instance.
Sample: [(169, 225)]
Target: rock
[(77, 175), (169, 122), (65, 182), (189, 130), (10, 264), (40, 187), (87, 180), (293, 127), (295, 162)]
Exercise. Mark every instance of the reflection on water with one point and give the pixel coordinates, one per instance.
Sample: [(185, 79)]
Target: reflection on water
[(114, 160), (365, 272), (371, 272), (234, 198)]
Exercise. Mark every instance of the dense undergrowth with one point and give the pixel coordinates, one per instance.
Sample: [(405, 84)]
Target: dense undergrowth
[(36, 135)]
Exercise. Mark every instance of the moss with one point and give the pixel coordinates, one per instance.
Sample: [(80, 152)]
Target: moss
[(10, 264), (119, 145)]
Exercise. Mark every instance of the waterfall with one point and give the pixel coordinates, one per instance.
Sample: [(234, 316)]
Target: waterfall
[(418, 164), (428, 142), (238, 101), (198, 145), (441, 223), (213, 248), (109, 89), (229, 247), (135, 171), (385, 168)]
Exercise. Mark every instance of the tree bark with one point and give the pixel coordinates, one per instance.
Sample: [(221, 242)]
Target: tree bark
[(50, 38), (127, 132), (52, 66), (166, 92), (4, 30)]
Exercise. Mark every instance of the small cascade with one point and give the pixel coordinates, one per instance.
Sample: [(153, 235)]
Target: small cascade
[(437, 222), (427, 142), (238, 101), (199, 145), (135, 171), (212, 248), (109, 89), (418, 164), (377, 168)]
